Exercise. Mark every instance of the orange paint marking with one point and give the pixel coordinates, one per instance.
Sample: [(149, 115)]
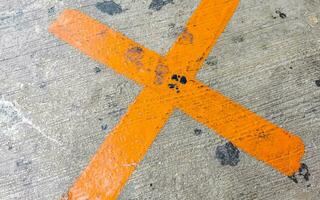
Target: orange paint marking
[(127, 144)]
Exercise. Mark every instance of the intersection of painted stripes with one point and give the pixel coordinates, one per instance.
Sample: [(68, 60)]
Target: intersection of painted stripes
[(163, 91)]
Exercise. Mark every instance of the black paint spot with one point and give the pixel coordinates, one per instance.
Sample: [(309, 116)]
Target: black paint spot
[(175, 77), (158, 4), (281, 14), (304, 171), (293, 178), (317, 83), (183, 80), (228, 154), (109, 7), (197, 132), (151, 186), (303, 175), (171, 86), (97, 70)]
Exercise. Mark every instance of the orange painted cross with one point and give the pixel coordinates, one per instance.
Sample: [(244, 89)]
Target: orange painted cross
[(169, 82)]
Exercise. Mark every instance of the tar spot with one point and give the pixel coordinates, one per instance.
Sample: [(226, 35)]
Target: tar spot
[(183, 80), (317, 83), (177, 78), (281, 14), (303, 175), (97, 70), (109, 7), (293, 178), (197, 132), (304, 171), (171, 86), (158, 4), (228, 154)]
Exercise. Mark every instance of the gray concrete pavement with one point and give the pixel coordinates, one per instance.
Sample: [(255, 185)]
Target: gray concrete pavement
[(57, 105)]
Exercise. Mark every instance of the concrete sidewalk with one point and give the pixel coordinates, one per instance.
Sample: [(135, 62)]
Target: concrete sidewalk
[(57, 105)]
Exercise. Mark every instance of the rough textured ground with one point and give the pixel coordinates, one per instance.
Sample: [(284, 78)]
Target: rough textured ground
[(57, 105)]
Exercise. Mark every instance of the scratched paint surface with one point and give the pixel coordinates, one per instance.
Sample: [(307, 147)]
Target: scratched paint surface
[(160, 175)]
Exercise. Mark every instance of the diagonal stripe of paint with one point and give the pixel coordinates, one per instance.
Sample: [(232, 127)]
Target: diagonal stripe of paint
[(123, 149), (248, 131), (201, 33), (106, 46)]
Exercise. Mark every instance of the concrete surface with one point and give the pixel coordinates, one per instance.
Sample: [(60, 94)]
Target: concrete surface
[(57, 105)]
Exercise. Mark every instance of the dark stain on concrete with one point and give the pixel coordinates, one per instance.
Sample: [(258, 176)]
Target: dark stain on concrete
[(43, 85), (281, 14), (97, 70), (197, 131), (228, 154), (23, 164), (212, 61), (304, 172), (117, 113), (52, 10), (317, 82), (104, 127), (109, 7), (293, 178), (159, 4), (303, 175), (174, 30)]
